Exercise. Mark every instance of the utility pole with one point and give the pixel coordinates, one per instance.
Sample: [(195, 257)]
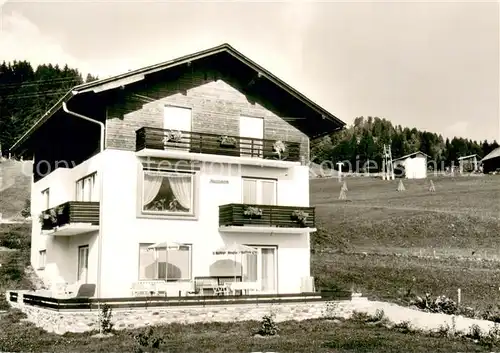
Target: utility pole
[(388, 167), (339, 165)]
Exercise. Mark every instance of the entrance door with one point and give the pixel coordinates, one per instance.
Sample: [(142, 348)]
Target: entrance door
[(83, 263), (259, 191), (263, 268), (252, 133), (177, 123)]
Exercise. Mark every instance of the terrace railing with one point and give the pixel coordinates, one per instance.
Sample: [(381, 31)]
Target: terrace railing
[(162, 301), (205, 143), (70, 212), (236, 214)]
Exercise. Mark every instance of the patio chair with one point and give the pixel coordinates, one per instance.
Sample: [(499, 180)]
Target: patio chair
[(145, 288), (222, 290)]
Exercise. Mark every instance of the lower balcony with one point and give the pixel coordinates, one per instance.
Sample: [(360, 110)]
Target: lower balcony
[(71, 218), (246, 218)]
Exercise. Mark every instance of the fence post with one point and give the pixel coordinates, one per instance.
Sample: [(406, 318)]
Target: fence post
[(459, 295)]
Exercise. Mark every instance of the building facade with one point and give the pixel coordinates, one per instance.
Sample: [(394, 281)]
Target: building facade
[(203, 152), (413, 166)]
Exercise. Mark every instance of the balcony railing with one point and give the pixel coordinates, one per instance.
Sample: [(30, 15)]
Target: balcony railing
[(197, 142), (69, 213), (265, 215)]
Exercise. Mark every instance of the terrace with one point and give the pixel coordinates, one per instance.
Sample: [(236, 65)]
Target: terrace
[(156, 301)]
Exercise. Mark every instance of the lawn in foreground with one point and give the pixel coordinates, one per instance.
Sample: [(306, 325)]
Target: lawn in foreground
[(305, 336)]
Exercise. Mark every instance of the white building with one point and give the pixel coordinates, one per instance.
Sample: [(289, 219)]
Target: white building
[(413, 164), (176, 153)]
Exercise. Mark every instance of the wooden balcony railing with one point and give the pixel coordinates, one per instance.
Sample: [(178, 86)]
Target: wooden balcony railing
[(265, 215), (197, 142), (70, 212)]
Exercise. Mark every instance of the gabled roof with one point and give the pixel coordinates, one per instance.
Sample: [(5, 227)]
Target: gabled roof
[(139, 74), (411, 154), (493, 154)]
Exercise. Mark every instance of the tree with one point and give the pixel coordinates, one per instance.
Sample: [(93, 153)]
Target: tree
[(90, 78)]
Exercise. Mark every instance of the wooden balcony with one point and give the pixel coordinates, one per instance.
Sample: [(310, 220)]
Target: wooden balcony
[(243, 217), (197, 142), (70, 218)]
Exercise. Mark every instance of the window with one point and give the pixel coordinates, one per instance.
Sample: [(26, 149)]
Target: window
[(262, 267), (42, 258), (165, 264), (259, 191), (251, 133), (166, 192), (45, 199), (83, 263), (85, 188)]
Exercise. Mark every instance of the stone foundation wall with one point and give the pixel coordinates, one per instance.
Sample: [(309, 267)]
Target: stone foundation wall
[(82, 321)]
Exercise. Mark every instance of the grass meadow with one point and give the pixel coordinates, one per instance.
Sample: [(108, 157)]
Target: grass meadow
[(383, 242)]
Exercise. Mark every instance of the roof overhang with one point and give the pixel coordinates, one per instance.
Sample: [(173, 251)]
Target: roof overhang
[(329, 123), (493, 154)]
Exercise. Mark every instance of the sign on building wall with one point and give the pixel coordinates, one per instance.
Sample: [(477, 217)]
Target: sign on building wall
[(219, 181)]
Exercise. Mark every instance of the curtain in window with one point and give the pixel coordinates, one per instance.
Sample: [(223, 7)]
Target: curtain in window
[(268, 192), (161, 258), (178, 264), (250, 270), (151, 187), (79, 191), (181, 188), (268, 267)]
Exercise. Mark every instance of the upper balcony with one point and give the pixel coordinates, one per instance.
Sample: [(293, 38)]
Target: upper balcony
[(175, 141), (71, 218), (259, 218)]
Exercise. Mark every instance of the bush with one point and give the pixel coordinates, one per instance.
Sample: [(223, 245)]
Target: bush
[(19, 239), (147, 338), (268, 326), (441, 304), (26, 211), (105, 317), (492, 314)]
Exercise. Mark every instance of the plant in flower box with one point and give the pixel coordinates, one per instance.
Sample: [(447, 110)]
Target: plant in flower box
[(173, 136), (227, 141), (279, 148), (252, 212), (299, 217), (46, 221)]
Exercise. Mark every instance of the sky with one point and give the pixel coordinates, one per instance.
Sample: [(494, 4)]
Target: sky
[(429, 65)]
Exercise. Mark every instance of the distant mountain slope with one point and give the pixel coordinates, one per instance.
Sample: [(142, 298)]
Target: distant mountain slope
[(15, 183)]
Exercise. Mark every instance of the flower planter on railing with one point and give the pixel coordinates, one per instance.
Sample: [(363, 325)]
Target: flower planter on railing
[(173, 136), (253, 212), (300, 217), (54, 217)]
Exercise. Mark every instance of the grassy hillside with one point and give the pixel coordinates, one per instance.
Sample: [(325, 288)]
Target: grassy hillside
[(384, 242), (15, 181)]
